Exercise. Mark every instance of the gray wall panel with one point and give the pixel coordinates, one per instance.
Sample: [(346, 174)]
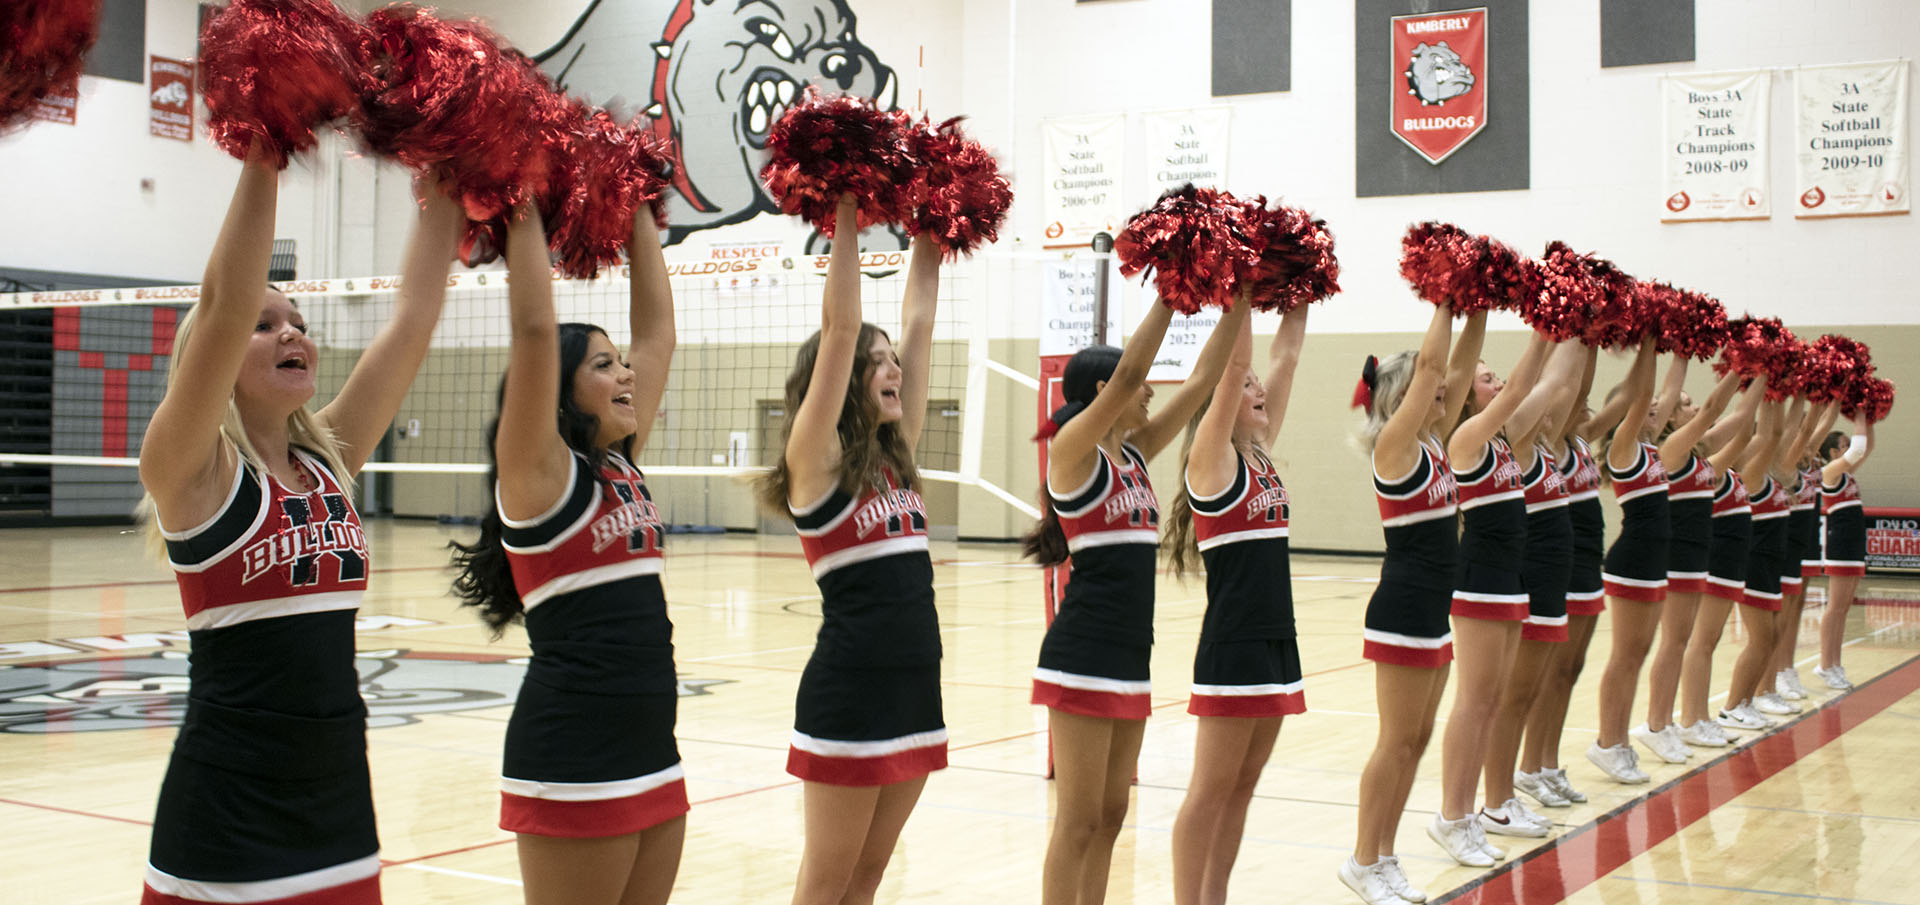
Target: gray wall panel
[(1252, 46), (1637, 32)]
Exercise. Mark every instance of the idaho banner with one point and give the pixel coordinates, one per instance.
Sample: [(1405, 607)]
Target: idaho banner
[(1440, 94), (1851, 122), (1083, 160), (1716, 146)]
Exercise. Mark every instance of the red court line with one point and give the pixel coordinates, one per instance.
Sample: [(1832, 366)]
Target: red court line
[(1580, 858), (48, 807)]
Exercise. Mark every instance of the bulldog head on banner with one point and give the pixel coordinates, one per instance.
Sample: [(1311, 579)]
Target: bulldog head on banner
[(1440, 99), (714, 77)]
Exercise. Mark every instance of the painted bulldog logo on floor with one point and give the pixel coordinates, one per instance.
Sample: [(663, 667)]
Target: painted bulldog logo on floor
[(715, 75)]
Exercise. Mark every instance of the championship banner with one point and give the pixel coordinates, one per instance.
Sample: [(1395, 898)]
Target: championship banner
[(170, 98), (1440, 93), (58, 105), (1851, 121), (1716, 146), (1181, 347), (1187, 146), (1083, 158), (1069, 304)]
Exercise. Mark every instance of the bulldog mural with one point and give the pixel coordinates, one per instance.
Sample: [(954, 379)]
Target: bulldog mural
[(714, 75)]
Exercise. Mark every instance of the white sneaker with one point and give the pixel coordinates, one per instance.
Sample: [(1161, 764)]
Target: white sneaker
[(1741, 717), (1705, 734), (1835, 676), (1457, 839), (1788, 683), (1618, 762), (1747, 710), (1397, 880), (1773, 704), (1557, 777), (1369, 882), (1538, 820), (1540, 789), (1506, 820), (1480, 838), (1664, 744)]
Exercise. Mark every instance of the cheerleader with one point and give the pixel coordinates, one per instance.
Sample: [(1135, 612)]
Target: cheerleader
[(1635, 570), (868, 726), (1803, 558), (1846, 556), (1730, 536), (1092, 675), (1409, 399), (1691, 483), (1761, 600), (1232, 514), (267, 794)]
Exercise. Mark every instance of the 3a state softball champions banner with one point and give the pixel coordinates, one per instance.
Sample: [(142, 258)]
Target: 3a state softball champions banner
[(1187, 146), (1083, 166), (1851, 122), (1440, 94), (1716, 146)]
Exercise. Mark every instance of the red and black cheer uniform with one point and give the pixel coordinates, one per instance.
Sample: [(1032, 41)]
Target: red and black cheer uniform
[(1846, 527), (1094, 659), (1732, 539), (1586, 591), (868, 709), (1548, 560), (1690, 513), (1407, 616), (1248, 661), (1770, 506), (590, 748), (1803, 533), (1636, 565), (266, 796), (1493, 541)]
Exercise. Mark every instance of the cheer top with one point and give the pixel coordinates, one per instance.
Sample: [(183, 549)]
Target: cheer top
[(1731, 496), (1493, 506), (869, 557), (1694, 481), (1581, 474), (1806, 497), (1844, 496), (599, 532), (1772, 502), (1242, 535), (1417, 515), (1112, 526), (1545, 486)]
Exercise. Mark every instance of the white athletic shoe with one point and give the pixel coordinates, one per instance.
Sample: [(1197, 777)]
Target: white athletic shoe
[(1557, 777), (1397, 880), (1618, 762), (1835, 676), (1369, 882), (1664, 744), (1788, 683), (1540, 789), (1749, 711), (1705, 734), (1507, 820), (1458, 839), (1742, 716), (1480, 838), (1771, 703)]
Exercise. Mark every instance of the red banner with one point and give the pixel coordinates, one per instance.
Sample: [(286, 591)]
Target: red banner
[(58, 105), (1440, 92), (170, 97)]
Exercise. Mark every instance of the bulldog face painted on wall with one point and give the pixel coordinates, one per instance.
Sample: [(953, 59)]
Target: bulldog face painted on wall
[(714, 75)]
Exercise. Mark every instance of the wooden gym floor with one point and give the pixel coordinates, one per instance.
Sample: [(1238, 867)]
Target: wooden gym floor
[(92, 673)]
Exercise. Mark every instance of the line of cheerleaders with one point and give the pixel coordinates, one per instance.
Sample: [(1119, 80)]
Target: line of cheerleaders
[(267, 795)]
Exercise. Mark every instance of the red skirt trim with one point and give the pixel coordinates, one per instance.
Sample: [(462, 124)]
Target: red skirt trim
[(1420, 657), (593, 819), (1252, 706), (1086, 702), (358, 892)]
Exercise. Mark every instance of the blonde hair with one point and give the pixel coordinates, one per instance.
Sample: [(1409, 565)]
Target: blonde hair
[(1391, 377), (304, 431)]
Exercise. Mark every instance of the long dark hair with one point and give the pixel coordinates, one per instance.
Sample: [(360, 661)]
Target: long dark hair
[(1046, 543), (866, 444), (483, 579)]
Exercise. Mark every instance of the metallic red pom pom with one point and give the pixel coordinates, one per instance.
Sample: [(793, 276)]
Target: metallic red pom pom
[(827, 146), (1567, 295), (1757, 346), (275, 70), (959, 196), (605, 171), (1870, 401), (1195, 242), (43, 47), (1835, 363), (1296, 264), (1693, 324), (1441, 262)]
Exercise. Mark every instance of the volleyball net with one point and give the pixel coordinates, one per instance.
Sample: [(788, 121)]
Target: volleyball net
[(83, 371)]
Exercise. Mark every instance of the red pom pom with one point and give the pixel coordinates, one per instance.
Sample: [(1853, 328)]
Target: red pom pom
[(43, 47), (960, 199), (1755, 346), (1197, 244), (451, 98), (828, 146), (1870, 401), (1442, 263), (1296, 263), (274, 70), (1834, 364), (1567, 295), (1625, 306), (1692, 324), (608, 171)]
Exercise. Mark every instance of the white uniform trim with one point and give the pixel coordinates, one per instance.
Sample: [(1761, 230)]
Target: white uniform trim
[(264, 890), (1769, 516), (1479, 597), (1234, 537), (1586, 595), (821, 747), (1415, 518), (236, 613), (1554, 503), (592, 791), (239, 474), (1090, 683), (587, 578), (1849, 504), (246, 536), (1634, 582), (906, 543), (1584, 495), (1110, 538), (1248, 691), (1671, 575), (573, 471), (1500, 497), (1690, 495), (1397, 640), (1636, 494), (1545, 620), (1725, 582)]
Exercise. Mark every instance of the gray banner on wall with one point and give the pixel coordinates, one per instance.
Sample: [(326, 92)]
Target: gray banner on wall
[(1252, 46), (1637, 32), (1498, 158), (121, 50)]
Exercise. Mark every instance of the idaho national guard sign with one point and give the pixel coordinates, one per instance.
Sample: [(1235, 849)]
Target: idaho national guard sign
[(1440, 87)]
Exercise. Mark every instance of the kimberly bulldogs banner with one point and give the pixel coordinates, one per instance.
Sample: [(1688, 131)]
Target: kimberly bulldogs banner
[(1440, 94), (170, 98), (1851, 122), (1083, 164), (1716, 146)]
